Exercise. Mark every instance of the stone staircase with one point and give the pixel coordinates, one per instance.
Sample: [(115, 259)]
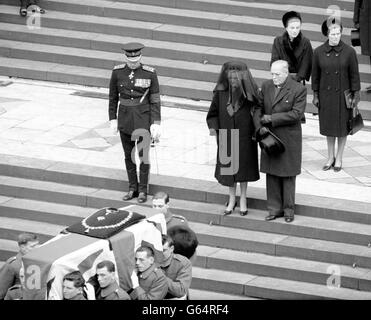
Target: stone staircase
[(238, 257), (186, 41)]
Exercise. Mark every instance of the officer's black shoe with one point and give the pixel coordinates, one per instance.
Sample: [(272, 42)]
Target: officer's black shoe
[(289, 219), (273, 217), (142, 197), (23, 12), (130, 195)]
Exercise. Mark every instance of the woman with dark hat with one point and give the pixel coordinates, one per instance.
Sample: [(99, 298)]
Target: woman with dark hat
[(335, 69), (229, 117), (293, 47)]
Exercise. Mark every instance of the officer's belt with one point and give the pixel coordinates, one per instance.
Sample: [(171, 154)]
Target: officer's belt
[(133, 102)]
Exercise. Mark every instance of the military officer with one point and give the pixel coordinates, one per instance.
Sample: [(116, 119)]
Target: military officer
[(160, 202), (177, 269), (9, 273), (110, 289), (152, 283), (134, 88)]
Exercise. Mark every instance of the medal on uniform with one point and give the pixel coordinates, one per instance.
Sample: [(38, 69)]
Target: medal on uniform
[(131, 75)]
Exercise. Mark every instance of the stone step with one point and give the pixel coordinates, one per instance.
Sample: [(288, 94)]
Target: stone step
[(283, 245), (267, 287), (246, 6), (203, 197), (195, 294), (306, 227), (283, 267), (210, 235), (106, 60), (47, 71), (154, 48), (149, 30), (192, 18)]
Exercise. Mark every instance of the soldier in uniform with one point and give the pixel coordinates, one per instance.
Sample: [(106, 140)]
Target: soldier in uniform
[(9, 273), (110, 289), (135, 88), (16, 292), (160, 202), (73, 286), (177, 269), (152, 283)]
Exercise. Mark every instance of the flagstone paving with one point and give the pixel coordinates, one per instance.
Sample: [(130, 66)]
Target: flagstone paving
[(48, 121)]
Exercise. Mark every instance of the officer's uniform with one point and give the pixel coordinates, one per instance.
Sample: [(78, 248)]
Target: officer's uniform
[(178, 270), (175, 220), (14, 293), (137, 93), (152, 285), (9, 274), (113, 292)]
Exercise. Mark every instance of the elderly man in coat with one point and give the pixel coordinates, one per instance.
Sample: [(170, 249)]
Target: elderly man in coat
[(362, 21), (283, 104)]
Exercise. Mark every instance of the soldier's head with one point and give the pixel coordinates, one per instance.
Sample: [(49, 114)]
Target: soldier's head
[(167, 246), (133, 54), (160, 202), (279, 71), (106, 273), (185, 241), (73, 284), (27, 242), (144, 258)]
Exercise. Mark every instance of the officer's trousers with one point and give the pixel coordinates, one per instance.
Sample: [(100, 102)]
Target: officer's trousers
[(131, 167), (280, 195)]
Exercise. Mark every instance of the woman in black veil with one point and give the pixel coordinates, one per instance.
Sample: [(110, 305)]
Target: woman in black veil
[(229, 118)]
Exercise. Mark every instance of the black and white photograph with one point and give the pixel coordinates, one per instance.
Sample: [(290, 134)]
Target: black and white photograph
[(200, 154)]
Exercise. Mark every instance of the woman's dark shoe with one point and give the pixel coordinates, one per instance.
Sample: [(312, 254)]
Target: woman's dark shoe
[(328, 166), (243, 213), (228, 212), (338, 168)]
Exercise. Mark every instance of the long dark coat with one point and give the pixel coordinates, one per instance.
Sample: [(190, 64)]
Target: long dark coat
[(218, 118), (362, 13), (287, 109), (297, 53), (335, 69)]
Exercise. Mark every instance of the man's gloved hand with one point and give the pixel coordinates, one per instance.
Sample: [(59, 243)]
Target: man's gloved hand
[(315, 100), (113, 126), (267, 118), (134, 279), (356, 25), (155, 131)]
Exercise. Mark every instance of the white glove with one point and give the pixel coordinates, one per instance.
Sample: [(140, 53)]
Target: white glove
[(155, 131), (134, 279), (113, 125)]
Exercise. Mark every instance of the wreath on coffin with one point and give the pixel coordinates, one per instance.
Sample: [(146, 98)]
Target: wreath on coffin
[(105, 223)]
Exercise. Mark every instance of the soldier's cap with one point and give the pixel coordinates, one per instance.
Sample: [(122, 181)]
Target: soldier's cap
[(290, 15), (133, 49)]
